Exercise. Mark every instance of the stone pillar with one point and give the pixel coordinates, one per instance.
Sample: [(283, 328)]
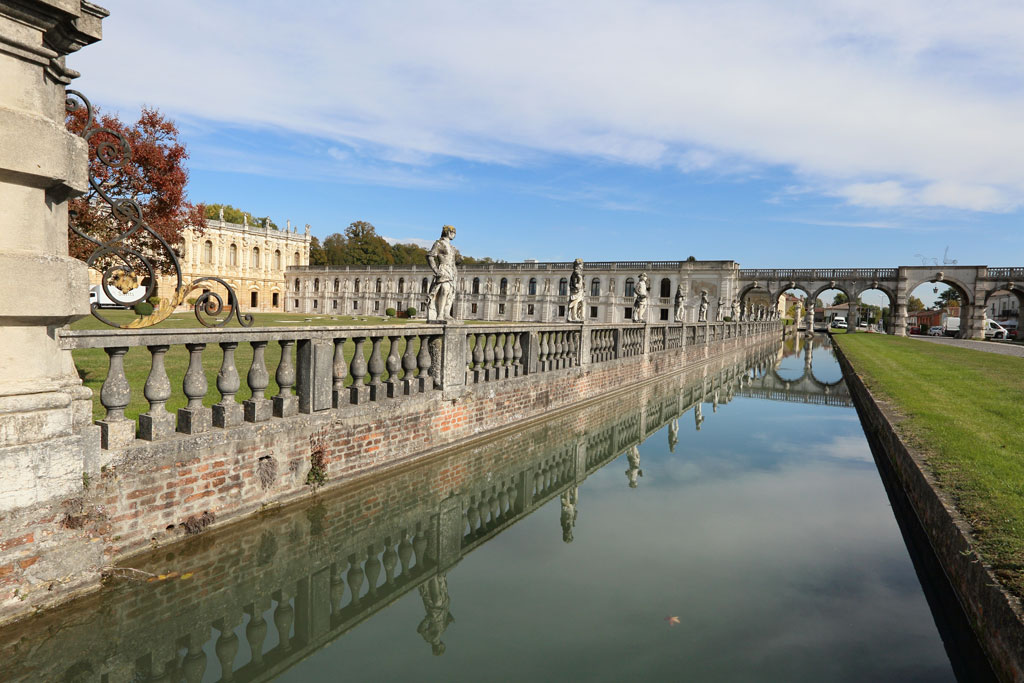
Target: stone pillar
[(453, 359), (46, 438), (899, 314), (851, 317)]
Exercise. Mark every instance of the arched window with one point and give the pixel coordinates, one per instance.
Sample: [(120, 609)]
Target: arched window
[(563, 287), (277, 259), (296, 284), (207, 251), (295, 259), (357, 286), (424, 286), (476, 285), (255, 257), (628, 291), (532, 287), (595, 287), (316, 284), (666, 287), (233, 255), (337, 284), (401, 285), (503, 287), (380, 285)]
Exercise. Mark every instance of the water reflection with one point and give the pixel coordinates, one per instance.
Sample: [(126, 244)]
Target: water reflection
[(767, 533)]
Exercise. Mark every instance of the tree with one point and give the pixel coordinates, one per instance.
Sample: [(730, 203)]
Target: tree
[(364, 246), (233, 215), (154, 176), (948, 297), (914, 305), (840, 298), (317, 254)]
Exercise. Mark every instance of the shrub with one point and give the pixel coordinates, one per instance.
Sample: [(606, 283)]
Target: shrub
[(411, 311), (390, 312), (143, 308), (727, 318), (191, 301), (155, 300)]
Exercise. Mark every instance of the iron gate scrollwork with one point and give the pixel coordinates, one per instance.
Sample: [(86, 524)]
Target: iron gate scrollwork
[(126, 264)]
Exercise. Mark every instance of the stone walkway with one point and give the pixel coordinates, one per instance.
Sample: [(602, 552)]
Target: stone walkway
[(992, 347)]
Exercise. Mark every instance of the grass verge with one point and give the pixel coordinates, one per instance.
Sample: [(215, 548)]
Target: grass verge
[(964, 412)]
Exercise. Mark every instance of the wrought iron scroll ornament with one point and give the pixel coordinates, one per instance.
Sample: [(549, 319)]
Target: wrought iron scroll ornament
[(123, 263)]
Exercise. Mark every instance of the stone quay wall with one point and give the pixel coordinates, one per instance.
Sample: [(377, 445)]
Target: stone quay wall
[(223, 463), (995, 616)]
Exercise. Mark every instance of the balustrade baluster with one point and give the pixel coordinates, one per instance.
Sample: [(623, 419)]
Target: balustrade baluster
[(227, 413), (509, 353), (376, 367), (543, 350), (517, 354), (394, 365), (284, 617), (493, 502), (409, 365), (157, 423), (538, 482), (372, 570), (502, 499), (405, 553), (512, 495), (489, 373), (390, 559), (194, 418), (337, 586), (425, 381), (116, 430), (226, 648), (256, 629), (478, 357), (359, 392), (499, 357), (257, 408), (474, 515), (194, 664), (355, 578), (285, 403), (419, 548)]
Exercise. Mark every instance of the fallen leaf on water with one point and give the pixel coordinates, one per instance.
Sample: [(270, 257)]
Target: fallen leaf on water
[(672, 621), (186, 575)]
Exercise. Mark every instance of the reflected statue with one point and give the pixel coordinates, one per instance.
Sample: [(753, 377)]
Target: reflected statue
[(680, 314), (673, 434), (436, 602), (640, 299), (575, 313), (714, 402), (441, 259), (702, 312), (634, 470), (570, 499), (698, 415)]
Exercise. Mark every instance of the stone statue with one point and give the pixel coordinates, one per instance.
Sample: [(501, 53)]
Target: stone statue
[(673, 435), (698, 416), (640, 299), (436, 602), (680, 314), (547, 285), (489, 286), (720, 310), (221, 214), (570, 499), (634, 470), (441, 259), (702, 312), (576, 292), (735, 310), (518, 286)]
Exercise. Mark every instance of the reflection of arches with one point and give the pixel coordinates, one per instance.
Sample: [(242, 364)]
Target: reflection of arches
[(825, 387)]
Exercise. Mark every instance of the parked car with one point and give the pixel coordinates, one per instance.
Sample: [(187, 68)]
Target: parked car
[(863, 325), (1011, 331), (936, 331), (994, 330), (839, 322), (913, 329)]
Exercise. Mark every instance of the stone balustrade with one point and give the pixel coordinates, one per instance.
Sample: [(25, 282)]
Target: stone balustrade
[(339, 368)]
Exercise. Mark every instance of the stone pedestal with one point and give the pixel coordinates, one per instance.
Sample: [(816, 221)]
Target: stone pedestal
[(257, 410), (46, 437), (156, 425)]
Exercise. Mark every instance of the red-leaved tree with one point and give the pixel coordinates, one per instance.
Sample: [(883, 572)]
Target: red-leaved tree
[(155, 176)]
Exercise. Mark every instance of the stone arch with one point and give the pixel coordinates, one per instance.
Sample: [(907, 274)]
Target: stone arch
[(965, 292), (889, 292)]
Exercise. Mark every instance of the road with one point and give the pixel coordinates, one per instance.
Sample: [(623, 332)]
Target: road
[(1004, 348)]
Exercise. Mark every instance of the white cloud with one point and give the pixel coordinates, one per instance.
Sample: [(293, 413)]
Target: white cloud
[(883, 104)]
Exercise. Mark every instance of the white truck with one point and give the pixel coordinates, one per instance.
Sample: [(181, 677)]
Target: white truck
[(98, 297), (952, 327)]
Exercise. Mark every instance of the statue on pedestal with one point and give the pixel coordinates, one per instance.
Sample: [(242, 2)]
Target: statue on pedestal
[(720, 310), (702, 312), (680, 312), (640, 299), (735, 310), (441, 259), (575, 310)]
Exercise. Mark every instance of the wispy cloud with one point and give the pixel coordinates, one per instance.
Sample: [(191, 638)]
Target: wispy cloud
[(910, 104)]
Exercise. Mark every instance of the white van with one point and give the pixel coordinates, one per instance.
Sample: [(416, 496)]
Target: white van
[(994, 330), (100, 299), (839, 322)]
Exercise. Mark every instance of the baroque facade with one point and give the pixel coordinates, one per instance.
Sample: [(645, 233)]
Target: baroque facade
[(251, 258), (529, 291)]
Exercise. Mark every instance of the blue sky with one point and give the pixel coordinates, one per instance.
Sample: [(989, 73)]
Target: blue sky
[(775, 134)]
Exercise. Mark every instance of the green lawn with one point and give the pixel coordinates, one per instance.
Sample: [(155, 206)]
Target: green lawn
[(964, 411)]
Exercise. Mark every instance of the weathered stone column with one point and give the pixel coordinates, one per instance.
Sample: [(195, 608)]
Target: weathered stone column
[(46, 438), (899, 315)]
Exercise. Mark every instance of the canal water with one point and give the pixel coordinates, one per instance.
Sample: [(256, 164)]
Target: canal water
[(729, 524)]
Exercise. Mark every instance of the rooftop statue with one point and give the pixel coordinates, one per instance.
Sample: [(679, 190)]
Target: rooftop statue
[(720, 310), (575, 314), (441, 259), (680, 313), (640, 299), (735, 313), (702, 312)]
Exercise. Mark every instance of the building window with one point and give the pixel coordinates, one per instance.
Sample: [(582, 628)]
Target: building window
[(476, 286), (295, 259), (664, 314), (357, 285), (593, 311), (277, 259), (561, 311), (207, 251), (355, 305), (380, 286), (296, 304), (532, 287), (473, 308), (315, 303), (337, 284), (254, 299), (334, 304), (529, 309), (296, 284), (627, 313), (233, 255), (316, 284), (503, 286), (273, 299), (255, 257), (401, 285), (424, 286), (563, 287), (666, 289), (501, 309), (595, 287), (376, 305)]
